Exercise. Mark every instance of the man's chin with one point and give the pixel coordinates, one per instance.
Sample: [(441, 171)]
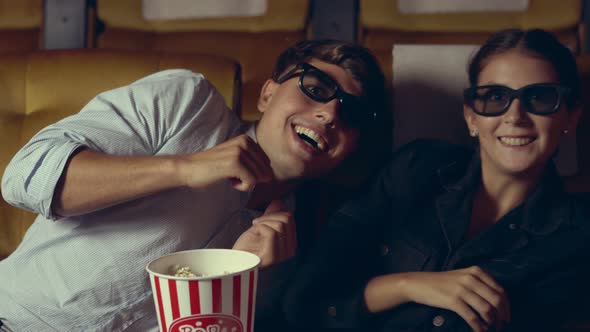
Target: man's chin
[(292, 172)]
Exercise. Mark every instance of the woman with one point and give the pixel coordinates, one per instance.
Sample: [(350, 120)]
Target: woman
[(449, 239)]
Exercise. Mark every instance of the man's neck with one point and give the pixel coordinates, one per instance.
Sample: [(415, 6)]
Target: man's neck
[(264, 193)]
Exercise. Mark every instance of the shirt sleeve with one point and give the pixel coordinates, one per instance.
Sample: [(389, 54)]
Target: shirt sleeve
[(137, 119)]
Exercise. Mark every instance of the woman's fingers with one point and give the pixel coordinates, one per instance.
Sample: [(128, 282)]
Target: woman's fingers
[(283, 223), (282, 235), (269, 245), (495, 294), (481, 306), (470, 317)]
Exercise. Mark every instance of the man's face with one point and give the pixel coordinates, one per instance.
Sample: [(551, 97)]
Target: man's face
[(303, 137)]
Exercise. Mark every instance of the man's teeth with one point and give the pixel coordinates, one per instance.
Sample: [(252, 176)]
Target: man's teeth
[(320, 143), (516, 141)]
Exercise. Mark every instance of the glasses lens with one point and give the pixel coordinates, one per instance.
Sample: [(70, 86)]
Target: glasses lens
[(541, 99), (355, 112), (318, 87), (491, 100)]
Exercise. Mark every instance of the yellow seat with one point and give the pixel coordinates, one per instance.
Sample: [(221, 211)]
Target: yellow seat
[(41, 87), (382, 24), (20, 25), (255, 42)]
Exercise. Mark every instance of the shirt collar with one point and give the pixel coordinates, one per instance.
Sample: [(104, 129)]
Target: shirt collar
[(250, 130)]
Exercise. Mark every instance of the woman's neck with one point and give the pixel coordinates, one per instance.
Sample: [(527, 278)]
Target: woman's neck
[(498, 194), (505, 190)]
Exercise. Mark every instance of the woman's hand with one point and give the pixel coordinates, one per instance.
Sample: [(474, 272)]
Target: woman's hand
[(272, 236), (471, 293)]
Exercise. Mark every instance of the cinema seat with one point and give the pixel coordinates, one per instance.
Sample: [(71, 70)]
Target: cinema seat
[(41, 87), (580, 182), (383, 24), (254, 42), (20, 25)]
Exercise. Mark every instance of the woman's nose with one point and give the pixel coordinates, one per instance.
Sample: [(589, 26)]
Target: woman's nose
[(516, 113)]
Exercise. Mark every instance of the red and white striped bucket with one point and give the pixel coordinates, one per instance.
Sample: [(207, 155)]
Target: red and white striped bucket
[(223, 300)]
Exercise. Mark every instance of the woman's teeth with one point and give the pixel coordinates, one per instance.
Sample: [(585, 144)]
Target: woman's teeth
[(311, 137), (516, 141)]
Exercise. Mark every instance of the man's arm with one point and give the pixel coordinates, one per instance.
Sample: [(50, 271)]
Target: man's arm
[(106, 154), (93, 180)]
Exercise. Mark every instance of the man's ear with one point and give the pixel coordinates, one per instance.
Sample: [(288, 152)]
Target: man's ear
[(266, 95)]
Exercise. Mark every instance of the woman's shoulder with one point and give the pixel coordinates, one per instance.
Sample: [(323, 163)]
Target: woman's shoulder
[(414, 169), (428, 154), (580, 204)]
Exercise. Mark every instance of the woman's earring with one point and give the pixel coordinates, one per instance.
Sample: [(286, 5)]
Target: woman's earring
[(473, 133), (565, 131)]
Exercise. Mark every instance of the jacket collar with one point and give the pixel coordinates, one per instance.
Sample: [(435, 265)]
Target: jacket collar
[(546, 208), (542, 212), (458, 181)]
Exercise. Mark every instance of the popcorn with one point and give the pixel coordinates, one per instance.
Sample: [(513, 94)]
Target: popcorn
[(209, 277), (184, 271)]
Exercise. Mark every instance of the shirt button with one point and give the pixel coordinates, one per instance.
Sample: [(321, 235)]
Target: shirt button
[(332, 311), (512, 226), (438, 321), (384, 250)]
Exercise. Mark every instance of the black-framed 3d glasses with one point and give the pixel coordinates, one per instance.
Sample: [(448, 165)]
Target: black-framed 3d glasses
[(354, 111), (494, 100)]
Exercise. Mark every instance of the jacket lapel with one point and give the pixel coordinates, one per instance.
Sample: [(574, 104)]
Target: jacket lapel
[(540, 214), (453, 206)]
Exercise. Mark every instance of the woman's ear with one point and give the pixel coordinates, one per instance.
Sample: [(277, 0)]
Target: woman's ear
[(469, 118), (266, 95)]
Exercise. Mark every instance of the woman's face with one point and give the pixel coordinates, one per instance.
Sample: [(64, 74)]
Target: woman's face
[(518, 142)]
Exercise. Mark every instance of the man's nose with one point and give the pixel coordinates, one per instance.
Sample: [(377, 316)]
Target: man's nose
[(328, 112)]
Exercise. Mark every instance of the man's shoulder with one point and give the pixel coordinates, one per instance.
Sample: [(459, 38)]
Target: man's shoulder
[(176, 86), (171, 76)]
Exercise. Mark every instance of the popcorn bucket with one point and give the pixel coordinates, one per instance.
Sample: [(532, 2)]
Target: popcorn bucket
[(221, 299)]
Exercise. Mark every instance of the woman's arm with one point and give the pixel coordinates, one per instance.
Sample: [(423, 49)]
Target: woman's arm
[(327, 289), (469, 292), (335, 286)]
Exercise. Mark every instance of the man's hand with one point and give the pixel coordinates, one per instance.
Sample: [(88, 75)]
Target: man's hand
[(471, 293), (239, 160), (272, 236)]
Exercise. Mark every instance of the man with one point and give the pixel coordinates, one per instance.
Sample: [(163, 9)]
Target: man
[(161, 166)]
